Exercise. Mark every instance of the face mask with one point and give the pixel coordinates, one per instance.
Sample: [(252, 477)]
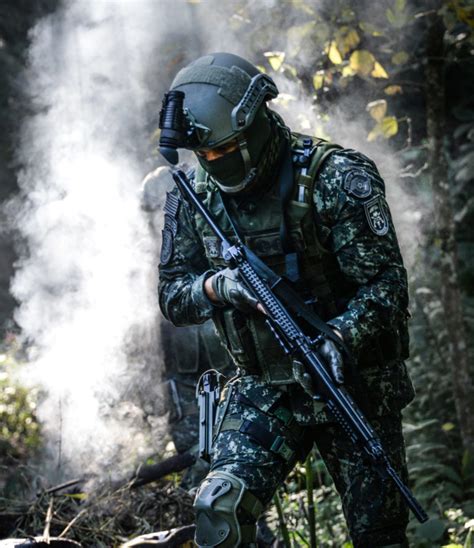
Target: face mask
[(229, 170)]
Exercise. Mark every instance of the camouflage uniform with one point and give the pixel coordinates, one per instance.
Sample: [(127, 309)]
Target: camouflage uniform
[(352, 266)]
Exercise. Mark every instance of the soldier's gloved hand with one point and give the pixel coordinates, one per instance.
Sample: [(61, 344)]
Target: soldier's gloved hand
[(333, 357), (228, 289)]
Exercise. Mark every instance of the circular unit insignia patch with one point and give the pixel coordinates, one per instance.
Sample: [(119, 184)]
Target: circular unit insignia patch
[(357, 183)]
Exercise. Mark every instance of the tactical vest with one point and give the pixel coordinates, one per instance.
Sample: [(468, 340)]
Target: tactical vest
[(248, 338)]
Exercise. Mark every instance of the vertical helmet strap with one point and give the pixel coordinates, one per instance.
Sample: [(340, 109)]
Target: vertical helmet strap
[(244, 151)]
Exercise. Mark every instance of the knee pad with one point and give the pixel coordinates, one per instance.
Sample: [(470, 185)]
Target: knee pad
[(219, 497)]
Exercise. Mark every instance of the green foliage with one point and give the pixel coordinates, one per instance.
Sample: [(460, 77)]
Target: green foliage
[(331, 529), (19, 429)]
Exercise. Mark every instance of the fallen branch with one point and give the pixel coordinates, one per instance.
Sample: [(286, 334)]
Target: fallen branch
[(148, 473)]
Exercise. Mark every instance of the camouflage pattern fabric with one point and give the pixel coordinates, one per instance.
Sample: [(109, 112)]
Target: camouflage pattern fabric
[(369, 284), (374, 511), (368, 256)]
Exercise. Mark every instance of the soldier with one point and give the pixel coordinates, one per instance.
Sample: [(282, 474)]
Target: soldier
[(316, 213)]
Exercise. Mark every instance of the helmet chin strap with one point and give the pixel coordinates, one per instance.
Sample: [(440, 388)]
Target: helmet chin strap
[(244, 151)]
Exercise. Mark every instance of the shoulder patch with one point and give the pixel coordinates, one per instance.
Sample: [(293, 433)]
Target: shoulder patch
[(376, 216), (166, 247), (357, 182), (170, 228)]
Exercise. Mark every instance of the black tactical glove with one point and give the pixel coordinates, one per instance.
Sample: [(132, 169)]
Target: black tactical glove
[(333, 358), (229, 289)]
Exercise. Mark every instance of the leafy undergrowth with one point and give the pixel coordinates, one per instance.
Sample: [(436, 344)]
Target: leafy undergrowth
[(19, 429), (106, 518), (451, 523)]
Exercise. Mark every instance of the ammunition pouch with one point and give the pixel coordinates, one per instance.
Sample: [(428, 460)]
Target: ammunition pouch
[(286, 438)]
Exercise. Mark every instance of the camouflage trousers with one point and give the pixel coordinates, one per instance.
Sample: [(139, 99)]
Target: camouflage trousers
[(258, 440)]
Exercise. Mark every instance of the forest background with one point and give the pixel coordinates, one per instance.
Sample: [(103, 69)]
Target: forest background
[(394, 79)]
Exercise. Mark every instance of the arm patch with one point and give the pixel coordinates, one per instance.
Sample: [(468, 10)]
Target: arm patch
[(170, 228), (376, 216), (357, 182)]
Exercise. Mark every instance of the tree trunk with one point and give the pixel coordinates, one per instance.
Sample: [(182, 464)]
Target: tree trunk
[(451, 297)]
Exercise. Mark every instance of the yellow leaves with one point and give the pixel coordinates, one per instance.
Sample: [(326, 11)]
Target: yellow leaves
[(386, 126), (374, 133), (397, 16), (333, 53), (290, 70), (318, 79), (77, 496), (322, 78), (348, 71), (275, 58), (362, 62), (347, 38), (448, 426), (400, 58), (389, 126), (393, 90), (377, 109), (379, 71), (276, 61), (464, 14)]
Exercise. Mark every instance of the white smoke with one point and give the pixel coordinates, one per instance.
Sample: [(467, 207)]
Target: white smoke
[(86, 281), (87, 284)]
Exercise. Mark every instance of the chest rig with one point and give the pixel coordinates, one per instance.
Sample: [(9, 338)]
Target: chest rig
[(281, 228)]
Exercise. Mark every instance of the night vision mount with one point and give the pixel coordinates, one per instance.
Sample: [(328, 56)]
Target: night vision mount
[(178, 129)]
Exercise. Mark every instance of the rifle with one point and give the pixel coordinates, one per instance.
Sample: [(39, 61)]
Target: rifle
[(270, 290)]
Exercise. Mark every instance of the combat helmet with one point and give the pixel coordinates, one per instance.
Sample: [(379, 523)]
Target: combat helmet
[(224, 100)]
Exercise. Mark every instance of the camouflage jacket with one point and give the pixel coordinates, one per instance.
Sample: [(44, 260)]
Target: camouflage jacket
[(369, 283)]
